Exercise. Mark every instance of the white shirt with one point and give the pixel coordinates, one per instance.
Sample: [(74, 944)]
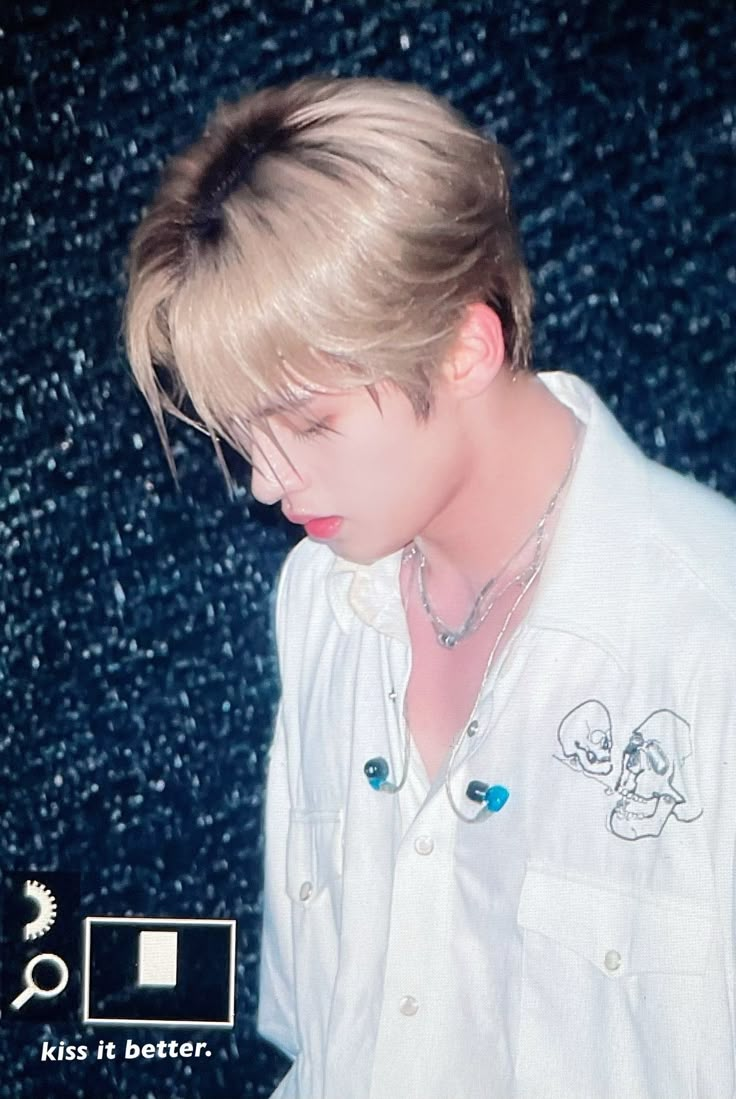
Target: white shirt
[(578, 944)]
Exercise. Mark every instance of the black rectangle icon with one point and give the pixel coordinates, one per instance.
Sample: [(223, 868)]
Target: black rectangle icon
[(162, 972)]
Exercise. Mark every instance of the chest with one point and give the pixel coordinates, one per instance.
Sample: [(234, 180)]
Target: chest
[(445, 684), (598, 754), (441, 690)]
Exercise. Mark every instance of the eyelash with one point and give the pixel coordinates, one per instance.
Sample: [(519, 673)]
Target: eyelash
[(312, 432)]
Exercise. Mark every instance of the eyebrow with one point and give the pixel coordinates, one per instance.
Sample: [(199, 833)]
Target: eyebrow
[(283, 406)]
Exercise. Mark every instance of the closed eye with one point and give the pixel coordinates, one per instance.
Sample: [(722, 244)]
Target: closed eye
[(310, 432), (312, 429)]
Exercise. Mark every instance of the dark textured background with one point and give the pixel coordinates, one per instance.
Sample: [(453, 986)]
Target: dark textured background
[(136, 676)]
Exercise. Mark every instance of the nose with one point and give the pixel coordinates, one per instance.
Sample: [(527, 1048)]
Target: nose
[(273, 474)]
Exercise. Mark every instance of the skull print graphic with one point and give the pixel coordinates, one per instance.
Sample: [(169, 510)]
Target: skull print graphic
[(651, 785)]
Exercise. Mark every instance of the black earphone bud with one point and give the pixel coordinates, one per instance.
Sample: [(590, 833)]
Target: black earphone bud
[(376, 771)]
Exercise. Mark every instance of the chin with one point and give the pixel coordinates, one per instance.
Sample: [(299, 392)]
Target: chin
[(367, 555)]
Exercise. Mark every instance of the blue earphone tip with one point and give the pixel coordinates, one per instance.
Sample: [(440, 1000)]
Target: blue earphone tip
[(493, 797), (496, 797)]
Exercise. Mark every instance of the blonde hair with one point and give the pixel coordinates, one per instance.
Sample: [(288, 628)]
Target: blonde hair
[(325, 234)]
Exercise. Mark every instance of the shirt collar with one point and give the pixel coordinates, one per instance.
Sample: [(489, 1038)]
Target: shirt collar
[(369, 591), (598, 550), (599, 538)]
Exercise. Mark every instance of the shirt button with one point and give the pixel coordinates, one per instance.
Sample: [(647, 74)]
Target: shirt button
[(612, 961), (424, 845), (408, 1005), (305, 890)]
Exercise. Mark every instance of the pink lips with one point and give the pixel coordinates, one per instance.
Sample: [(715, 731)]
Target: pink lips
[(326, 527)]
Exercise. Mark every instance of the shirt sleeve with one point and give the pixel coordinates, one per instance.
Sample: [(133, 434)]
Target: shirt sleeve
[(276, 1003)]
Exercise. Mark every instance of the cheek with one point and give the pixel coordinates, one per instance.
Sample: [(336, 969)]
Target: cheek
[(393, 473), (386, 468), (372, 465)]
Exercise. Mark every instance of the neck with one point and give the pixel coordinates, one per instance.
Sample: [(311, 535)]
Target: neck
[(519, 443)]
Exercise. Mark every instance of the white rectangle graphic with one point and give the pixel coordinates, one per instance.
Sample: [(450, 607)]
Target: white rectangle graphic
[(157, 959)]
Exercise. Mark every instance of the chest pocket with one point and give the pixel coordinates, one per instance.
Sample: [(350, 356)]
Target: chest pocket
[(612, 985), (313, 854), (314, 884)]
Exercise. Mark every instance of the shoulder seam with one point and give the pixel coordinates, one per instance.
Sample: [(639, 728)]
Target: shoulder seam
[(706, 588)]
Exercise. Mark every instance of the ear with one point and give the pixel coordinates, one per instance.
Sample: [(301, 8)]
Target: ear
[(478, 353)]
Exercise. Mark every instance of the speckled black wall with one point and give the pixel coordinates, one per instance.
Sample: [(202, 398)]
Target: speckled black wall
[(136, 672)]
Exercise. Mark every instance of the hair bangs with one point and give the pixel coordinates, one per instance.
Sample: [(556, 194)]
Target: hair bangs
[(240, 358)]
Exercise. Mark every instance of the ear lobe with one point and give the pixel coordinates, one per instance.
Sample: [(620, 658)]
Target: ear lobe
[(479, 351)]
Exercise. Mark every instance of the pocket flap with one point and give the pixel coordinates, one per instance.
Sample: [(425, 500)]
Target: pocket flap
[(313, 852), (620, 933)]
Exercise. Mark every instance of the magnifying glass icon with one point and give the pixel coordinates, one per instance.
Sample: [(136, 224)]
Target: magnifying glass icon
[(33, 989)]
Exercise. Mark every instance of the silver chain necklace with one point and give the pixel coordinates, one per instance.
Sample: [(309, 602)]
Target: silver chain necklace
[(487, 598)]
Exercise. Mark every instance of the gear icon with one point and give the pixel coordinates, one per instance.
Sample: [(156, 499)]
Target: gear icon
[(45, 917)]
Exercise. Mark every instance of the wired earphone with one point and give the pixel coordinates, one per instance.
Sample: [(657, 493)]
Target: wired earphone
[(491, 798)]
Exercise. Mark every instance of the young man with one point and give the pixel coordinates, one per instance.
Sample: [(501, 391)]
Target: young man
[(500, 825)]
